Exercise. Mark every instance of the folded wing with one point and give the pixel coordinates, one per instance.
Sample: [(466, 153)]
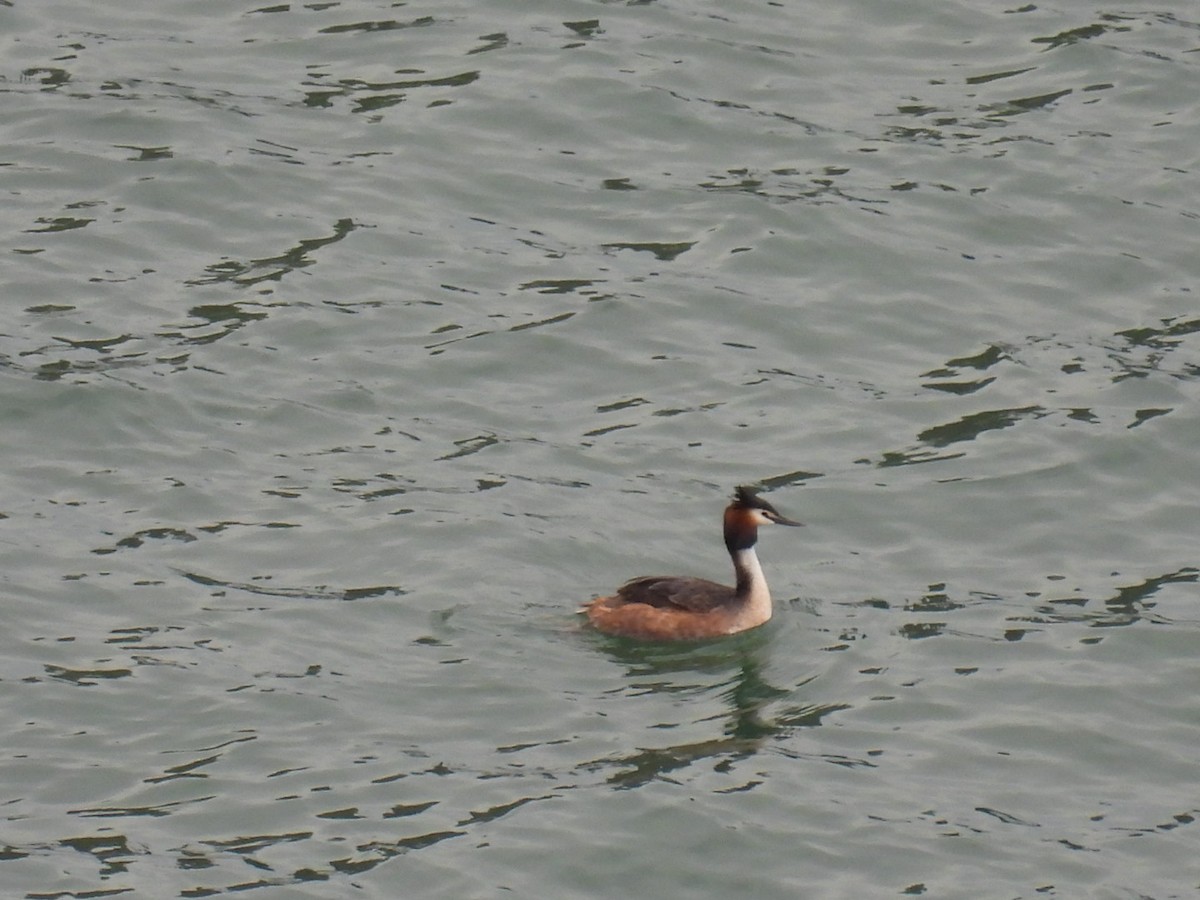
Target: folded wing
[(665, 591)]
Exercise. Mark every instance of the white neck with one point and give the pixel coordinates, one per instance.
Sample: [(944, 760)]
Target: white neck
[(752, 588)]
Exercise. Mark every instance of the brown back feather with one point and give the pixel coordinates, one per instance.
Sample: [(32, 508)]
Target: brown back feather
[(666, 591)]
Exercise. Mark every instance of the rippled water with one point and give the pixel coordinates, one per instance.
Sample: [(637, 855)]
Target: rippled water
[(350, 345)]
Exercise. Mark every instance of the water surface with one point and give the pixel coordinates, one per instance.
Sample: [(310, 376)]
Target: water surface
[(348, 346)]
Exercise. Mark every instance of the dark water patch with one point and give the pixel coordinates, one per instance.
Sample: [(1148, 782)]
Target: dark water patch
[(643, 767), (788, 479), (57, 224), (257, 842), (585, 28), (349, 813), (86, 677), (825, 184), (1142, 416), (112, 851), (970, 427), (139, 633), (621, 405), (666, 252), (1130, 604), (1006, 818), (981, 361), (558, 285), (376, 852), (403, 810), (919, 630), (472, 445), (1021, 105), (184, 770), (320, 592), (123, 812), (600, 432), (961, 388), (1075, 35), (370, 27), (1167, 335), (97, 345), (893, 458), (499, 811), (936, 599), (218, 527), (138, 539), (552, 320), (374, 97), (273, 268), (996, 76), (497, 41), (147, 154)]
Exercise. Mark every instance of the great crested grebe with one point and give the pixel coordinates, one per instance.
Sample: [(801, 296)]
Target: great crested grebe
[(668, 608)]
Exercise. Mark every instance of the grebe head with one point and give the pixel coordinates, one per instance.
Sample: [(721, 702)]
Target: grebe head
[(744, 514)]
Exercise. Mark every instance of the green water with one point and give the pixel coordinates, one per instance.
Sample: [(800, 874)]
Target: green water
[(349, 346)]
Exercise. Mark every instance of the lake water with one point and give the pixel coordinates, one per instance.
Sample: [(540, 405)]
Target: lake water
[(348, 346)]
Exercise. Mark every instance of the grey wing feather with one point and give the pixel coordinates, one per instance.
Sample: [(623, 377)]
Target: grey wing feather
[(695, 594)]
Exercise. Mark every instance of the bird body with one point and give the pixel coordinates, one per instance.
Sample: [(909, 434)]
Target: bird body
[(667, 607)]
